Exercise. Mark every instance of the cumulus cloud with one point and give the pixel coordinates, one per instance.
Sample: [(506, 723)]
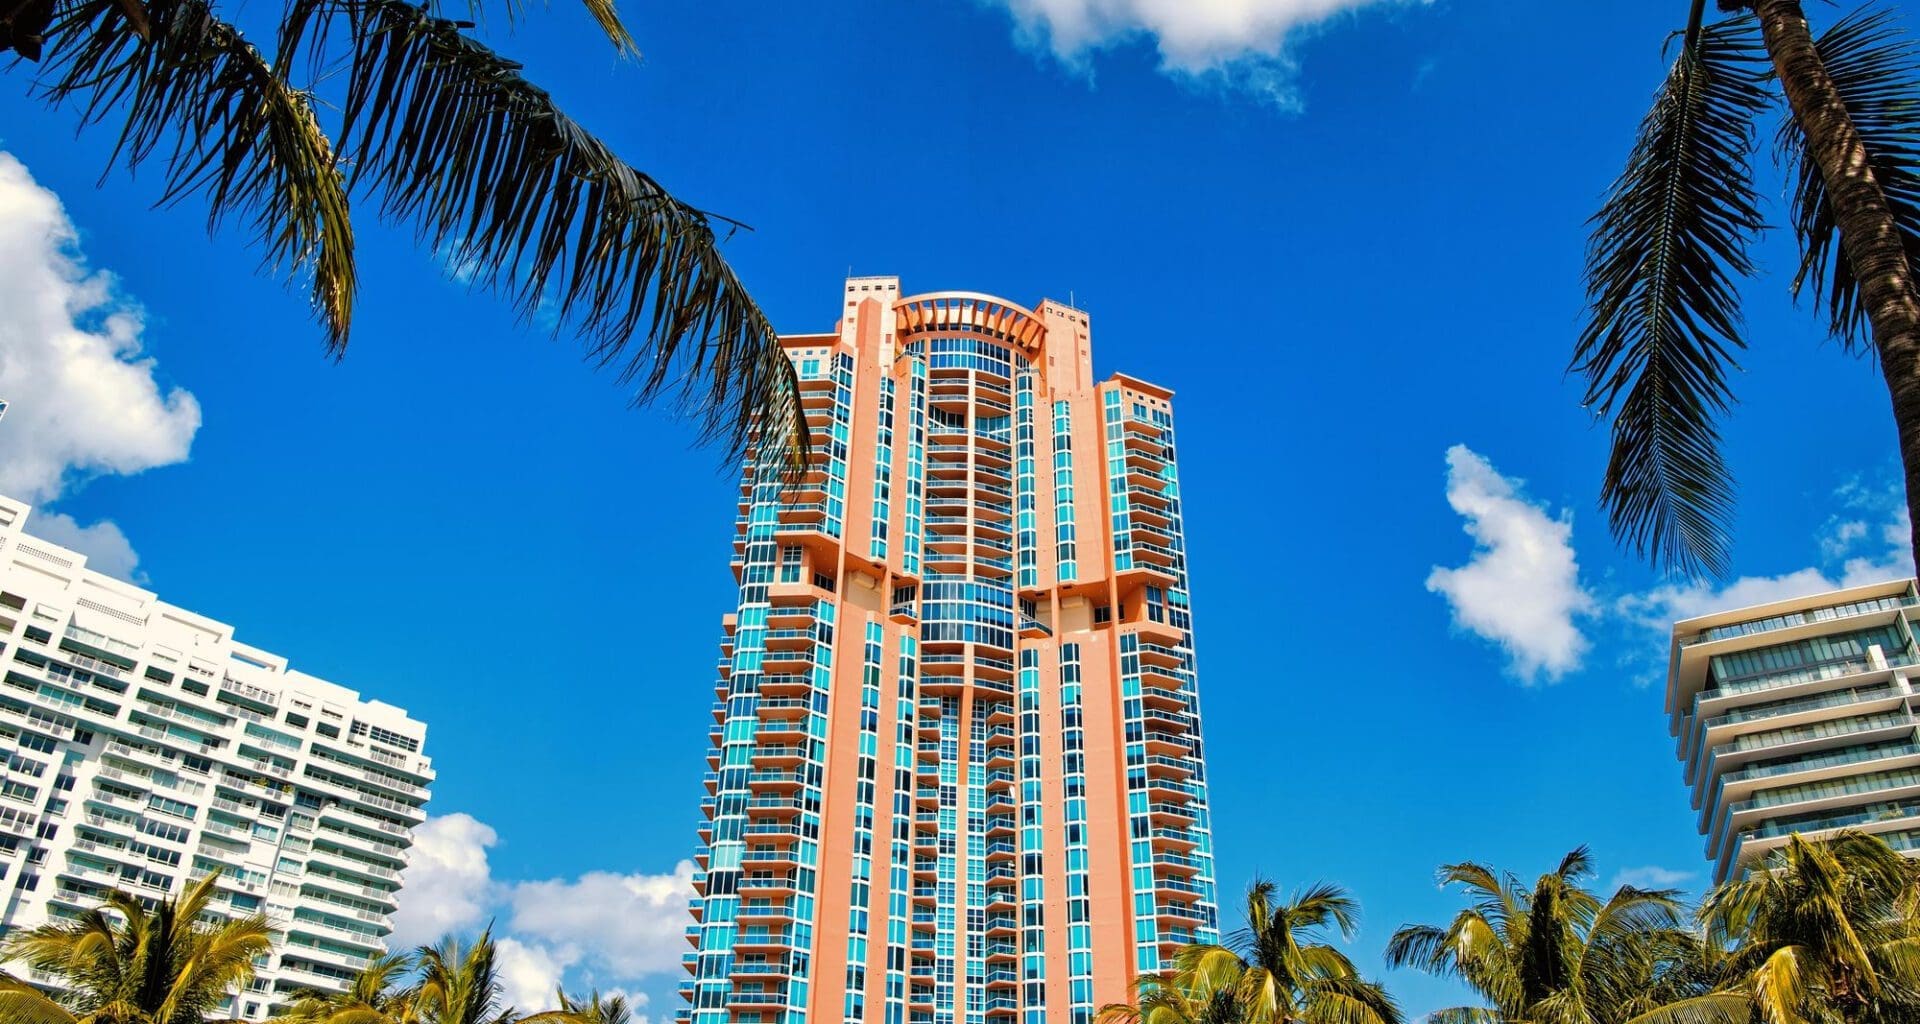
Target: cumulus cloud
[(1650, 877), (1240, 43), (629, 925), (529, 975), (83, 398), (602, 929), (1521, 587), (106, 547), (448, 884)]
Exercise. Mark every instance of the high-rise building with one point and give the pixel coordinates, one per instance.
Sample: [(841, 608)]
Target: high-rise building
[(142, 746), (956, 771), (1799, 716)]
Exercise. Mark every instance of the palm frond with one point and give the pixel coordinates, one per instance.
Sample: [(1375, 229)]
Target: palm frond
[(21, 1003), (1663, 317), (1466, 1015), (616, 30), (1875, 66), (1324, 903), (1779, 987), (228, 127), (1714, 1008), (450, 139)]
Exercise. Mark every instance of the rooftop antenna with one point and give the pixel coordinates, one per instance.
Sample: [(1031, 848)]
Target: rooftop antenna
[(1070, 301)]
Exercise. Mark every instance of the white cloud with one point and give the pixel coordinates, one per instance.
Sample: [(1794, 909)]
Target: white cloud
[(1521, 587), (1842, 537), (602, 930), (529, 975), (1650, 877), (1241, 43), (448, 885), (1852, 552), (106, 547), (83, 398), (629, 925)]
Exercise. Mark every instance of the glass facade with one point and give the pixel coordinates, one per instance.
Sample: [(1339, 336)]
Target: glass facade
[(1798, 718), (908, 815)]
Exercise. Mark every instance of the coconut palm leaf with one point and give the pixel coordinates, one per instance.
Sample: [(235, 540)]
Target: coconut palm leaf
[(1713, 1008), (124, 963), (1875, 66), (228, 128), (444, 136), (1465, 1015), (1667, 245), (448, 137), (1555, 953), (21, 1003), (375, 996), (459, 982)]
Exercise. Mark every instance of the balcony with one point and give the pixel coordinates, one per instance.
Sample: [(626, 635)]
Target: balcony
[(1850, 755), (1817, 702), (1831, 613), (1798, 676)]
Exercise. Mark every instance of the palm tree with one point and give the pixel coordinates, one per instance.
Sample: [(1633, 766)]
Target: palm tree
[(125, 964), (596, 1009), (1671, 239), (1556, 953), (1826, 933), (395, 104), (1273, 971), (376, 995), (1193, 992), (459, 983)]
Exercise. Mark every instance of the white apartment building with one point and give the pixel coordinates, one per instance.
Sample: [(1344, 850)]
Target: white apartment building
[(1800, 716), (142, 746)]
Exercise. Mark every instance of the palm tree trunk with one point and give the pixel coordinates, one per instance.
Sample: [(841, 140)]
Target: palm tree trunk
[(1868, 233)]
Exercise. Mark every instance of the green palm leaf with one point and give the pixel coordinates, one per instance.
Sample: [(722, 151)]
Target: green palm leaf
[(1876, 69), (1663, 323), (21, 1003)]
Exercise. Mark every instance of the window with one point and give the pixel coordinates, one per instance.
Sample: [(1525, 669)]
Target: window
[(167, 805), (394, 739)]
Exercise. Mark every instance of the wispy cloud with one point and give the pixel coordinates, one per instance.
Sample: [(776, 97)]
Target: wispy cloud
[(84, 400), (1869, 541), (1521, 586), (1242, 45)]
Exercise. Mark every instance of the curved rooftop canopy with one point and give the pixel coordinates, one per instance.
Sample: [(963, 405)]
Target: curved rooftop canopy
[(972, 312)]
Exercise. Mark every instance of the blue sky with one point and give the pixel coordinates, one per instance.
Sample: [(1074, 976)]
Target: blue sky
[(1372, 223)]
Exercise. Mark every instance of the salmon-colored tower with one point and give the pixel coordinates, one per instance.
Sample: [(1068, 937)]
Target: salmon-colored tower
[(956, 770)]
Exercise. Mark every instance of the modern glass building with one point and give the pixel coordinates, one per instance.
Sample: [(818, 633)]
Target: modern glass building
[(956, 773), (142, 747), (1799, 716)]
